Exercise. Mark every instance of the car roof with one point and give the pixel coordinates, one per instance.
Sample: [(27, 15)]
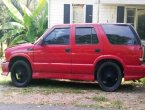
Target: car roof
[(83, 24)]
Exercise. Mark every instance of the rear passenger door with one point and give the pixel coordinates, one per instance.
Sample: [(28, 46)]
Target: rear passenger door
[(86, 48)]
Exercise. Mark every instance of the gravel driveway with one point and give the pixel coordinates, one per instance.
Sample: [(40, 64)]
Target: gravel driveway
[(70, 95), (37, 107)]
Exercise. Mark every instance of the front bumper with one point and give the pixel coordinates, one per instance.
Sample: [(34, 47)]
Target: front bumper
[(134, 72), (5, 68)]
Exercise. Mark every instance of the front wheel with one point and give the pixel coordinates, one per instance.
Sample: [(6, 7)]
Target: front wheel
[(21, 74), (109, 76)]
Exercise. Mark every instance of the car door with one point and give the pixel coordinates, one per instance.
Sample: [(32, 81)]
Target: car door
[(86, 48), (54, 57)]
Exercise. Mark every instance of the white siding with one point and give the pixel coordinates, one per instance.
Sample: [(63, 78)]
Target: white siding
[(95, 13), (135, 2), (56, 10), (107, 14), (107, 9)]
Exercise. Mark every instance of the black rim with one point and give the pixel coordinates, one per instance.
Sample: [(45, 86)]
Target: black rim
[(20, 74), (109, 76)]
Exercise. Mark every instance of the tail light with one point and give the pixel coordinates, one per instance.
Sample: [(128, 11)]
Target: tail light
[(141, 53)]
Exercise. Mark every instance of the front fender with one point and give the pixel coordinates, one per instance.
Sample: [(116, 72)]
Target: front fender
[(29, 57)]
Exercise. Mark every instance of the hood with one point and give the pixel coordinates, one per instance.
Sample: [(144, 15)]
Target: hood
[(20, 48)]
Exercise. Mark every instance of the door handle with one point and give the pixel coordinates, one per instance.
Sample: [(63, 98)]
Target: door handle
[(68, 50), (97, 50)]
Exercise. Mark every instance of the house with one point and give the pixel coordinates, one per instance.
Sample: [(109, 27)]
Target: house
[(102, 11)]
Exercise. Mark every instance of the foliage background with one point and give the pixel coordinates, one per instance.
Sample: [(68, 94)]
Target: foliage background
[(24, 24)]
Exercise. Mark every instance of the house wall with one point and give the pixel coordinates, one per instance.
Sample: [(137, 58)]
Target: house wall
[(107, 13), (135, 2), (56, 10)]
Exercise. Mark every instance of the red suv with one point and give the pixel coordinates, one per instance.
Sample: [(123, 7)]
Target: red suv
[(92, 52)]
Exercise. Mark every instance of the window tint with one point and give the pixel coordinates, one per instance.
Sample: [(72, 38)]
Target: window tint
[(58, 36), (86, 35), (121, 34)]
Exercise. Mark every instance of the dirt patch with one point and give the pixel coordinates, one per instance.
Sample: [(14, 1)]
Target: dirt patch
[(81, 94)]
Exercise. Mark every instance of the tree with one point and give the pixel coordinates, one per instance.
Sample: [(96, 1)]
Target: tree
[(25, 25), (3, 18), (28, 2)]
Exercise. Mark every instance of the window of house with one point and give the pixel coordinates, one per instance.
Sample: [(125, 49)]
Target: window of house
[(58, 36), (120, 14), (141, 23), (86, 35), (131, 16), (78, 13)]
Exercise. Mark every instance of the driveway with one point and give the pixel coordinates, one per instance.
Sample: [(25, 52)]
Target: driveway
[(69, 95), (37, 107)]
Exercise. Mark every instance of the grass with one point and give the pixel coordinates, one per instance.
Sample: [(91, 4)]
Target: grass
[(4, 80), (100, 99), (142, 80), (45, 90), (48, 86), (100, 102), (103, 102), (116, 104)]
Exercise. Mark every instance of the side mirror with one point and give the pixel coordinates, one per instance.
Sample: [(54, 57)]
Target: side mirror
[(43, 42)]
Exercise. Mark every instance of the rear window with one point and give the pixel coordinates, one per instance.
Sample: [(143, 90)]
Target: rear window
[(121, 34)]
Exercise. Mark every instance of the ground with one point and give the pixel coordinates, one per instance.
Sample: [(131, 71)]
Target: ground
[(73, 94)]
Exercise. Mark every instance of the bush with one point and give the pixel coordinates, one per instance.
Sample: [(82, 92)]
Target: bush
[(142, 80)]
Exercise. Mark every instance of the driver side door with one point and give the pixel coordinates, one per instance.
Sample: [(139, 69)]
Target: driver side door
[(53, 58)]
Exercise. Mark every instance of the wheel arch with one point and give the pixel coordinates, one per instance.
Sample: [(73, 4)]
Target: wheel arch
[(16, 58), (101, 61)]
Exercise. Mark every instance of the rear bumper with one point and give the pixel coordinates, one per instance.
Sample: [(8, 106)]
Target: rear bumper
[(5, 68), (134, 72)]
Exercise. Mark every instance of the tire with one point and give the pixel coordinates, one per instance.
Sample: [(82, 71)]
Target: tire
[(109, 76), (21, 74)]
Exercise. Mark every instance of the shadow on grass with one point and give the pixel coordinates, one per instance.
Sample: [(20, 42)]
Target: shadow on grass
[(82, 85), (65, 84), (132, 87), (75, 86), (5, 82)]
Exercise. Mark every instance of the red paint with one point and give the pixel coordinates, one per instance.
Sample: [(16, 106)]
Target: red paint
[(52, 61)]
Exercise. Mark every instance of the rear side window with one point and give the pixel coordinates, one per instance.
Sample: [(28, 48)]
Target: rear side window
[(121, 34), (86, 35)]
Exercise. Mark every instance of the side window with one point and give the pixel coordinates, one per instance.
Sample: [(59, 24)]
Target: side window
[(86, 35), (121, 34), (58, 36)]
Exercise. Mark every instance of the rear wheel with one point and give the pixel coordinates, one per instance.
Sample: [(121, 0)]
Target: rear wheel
[(109, 76), (21, 74)]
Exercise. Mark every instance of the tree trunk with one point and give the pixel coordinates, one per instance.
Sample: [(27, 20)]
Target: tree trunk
[(1, 49), (8, 41), (28, 3)]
